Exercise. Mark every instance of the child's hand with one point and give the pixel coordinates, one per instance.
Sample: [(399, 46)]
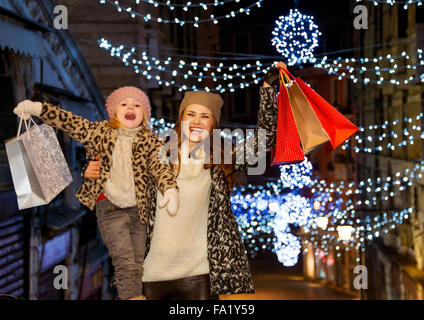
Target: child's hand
[(93, 169), (27, 108), (170, 200)]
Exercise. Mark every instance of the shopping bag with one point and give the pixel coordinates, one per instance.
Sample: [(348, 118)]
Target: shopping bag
[(287, 147), (309, 127), (38, 167), (337, 126)]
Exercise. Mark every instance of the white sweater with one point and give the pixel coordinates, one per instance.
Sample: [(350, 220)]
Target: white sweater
[(178, 247), (120, 188)]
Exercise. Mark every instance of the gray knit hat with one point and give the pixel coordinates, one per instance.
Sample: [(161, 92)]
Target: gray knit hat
[(212, 101)]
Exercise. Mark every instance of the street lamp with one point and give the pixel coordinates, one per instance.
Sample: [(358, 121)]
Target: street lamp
[(322, 222), (345, 232)]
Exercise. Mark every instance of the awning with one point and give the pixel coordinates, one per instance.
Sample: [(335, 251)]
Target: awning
[(21, 40)]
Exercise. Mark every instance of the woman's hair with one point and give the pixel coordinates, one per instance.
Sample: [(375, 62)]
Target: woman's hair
[(227, 168), (114, 123)]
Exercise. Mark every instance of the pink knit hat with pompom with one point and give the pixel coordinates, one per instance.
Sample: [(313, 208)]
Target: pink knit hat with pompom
[(124, 92)]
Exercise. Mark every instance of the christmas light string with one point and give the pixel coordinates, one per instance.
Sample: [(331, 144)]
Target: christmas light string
[(368, 229), (148, 18), (411, 137), (237, 71), (406, 3), (159, 65), (186, 5), (336, 65)]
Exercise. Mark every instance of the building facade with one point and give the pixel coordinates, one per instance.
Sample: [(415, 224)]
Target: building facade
[(394, 259), (44, 63)]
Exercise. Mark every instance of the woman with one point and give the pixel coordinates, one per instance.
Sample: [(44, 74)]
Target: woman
[(198, 254)]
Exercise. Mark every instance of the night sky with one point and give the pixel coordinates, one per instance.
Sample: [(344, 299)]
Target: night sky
[(334, 19)]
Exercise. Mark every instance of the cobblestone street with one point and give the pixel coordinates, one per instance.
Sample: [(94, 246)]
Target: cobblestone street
[(274, 282)]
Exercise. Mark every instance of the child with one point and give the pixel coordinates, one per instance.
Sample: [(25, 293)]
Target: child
[(129, 161)]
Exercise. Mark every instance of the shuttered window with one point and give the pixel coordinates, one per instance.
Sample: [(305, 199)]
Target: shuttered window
[(12, 256)]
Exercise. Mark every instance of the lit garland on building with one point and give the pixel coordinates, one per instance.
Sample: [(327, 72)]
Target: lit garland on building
[(295, 37), (405, 3), (411, 137), (187, 5), (189, 70), (343, 68), (181, 22), (188, 74)]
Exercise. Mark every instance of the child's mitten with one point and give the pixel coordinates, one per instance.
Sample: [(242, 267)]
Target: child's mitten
[(27, 108), (170, 200)]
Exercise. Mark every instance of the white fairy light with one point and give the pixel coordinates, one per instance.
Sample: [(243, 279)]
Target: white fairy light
[(181, 22), (296, 37)]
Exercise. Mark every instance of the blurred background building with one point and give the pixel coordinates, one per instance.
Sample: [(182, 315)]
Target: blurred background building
[(40, 62)]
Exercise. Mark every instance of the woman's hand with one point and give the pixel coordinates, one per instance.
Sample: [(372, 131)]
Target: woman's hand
[(273, 73), (93, 169)]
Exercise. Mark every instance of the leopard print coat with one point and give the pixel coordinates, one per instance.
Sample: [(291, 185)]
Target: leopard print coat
[(99, 138), (228, 264)]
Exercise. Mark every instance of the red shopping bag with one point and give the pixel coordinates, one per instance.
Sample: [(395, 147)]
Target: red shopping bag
[(337, 126), (287, 148)]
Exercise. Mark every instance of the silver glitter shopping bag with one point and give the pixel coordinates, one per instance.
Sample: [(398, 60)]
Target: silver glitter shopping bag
[(39, 169)]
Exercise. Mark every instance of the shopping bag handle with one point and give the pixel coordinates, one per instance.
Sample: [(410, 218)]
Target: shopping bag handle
[(281, 76), (287, 72), (27, 125)]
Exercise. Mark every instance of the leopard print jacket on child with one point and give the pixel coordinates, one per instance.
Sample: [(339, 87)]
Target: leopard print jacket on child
[(99, 138)]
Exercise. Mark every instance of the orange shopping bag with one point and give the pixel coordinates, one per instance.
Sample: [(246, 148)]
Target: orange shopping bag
[(337, 126)]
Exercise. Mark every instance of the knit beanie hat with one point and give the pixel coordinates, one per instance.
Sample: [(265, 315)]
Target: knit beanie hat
[(125, 92), (212, 101)]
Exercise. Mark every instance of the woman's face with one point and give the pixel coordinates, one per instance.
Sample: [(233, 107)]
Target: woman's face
[(197, 122), (130, 113)]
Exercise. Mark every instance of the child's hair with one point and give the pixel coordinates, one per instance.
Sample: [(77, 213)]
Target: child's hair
[(114, 123)]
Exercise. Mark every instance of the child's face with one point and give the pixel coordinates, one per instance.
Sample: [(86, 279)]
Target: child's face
[(130, 113), (197, 122)]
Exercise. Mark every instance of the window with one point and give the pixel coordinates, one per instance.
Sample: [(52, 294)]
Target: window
[(241, 42), (419, 14), (402, 22)]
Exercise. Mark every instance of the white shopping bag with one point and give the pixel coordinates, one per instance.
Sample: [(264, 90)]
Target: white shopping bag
[(39, 169)]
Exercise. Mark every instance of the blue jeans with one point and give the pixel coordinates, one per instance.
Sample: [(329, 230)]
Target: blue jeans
[(125, 239)]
